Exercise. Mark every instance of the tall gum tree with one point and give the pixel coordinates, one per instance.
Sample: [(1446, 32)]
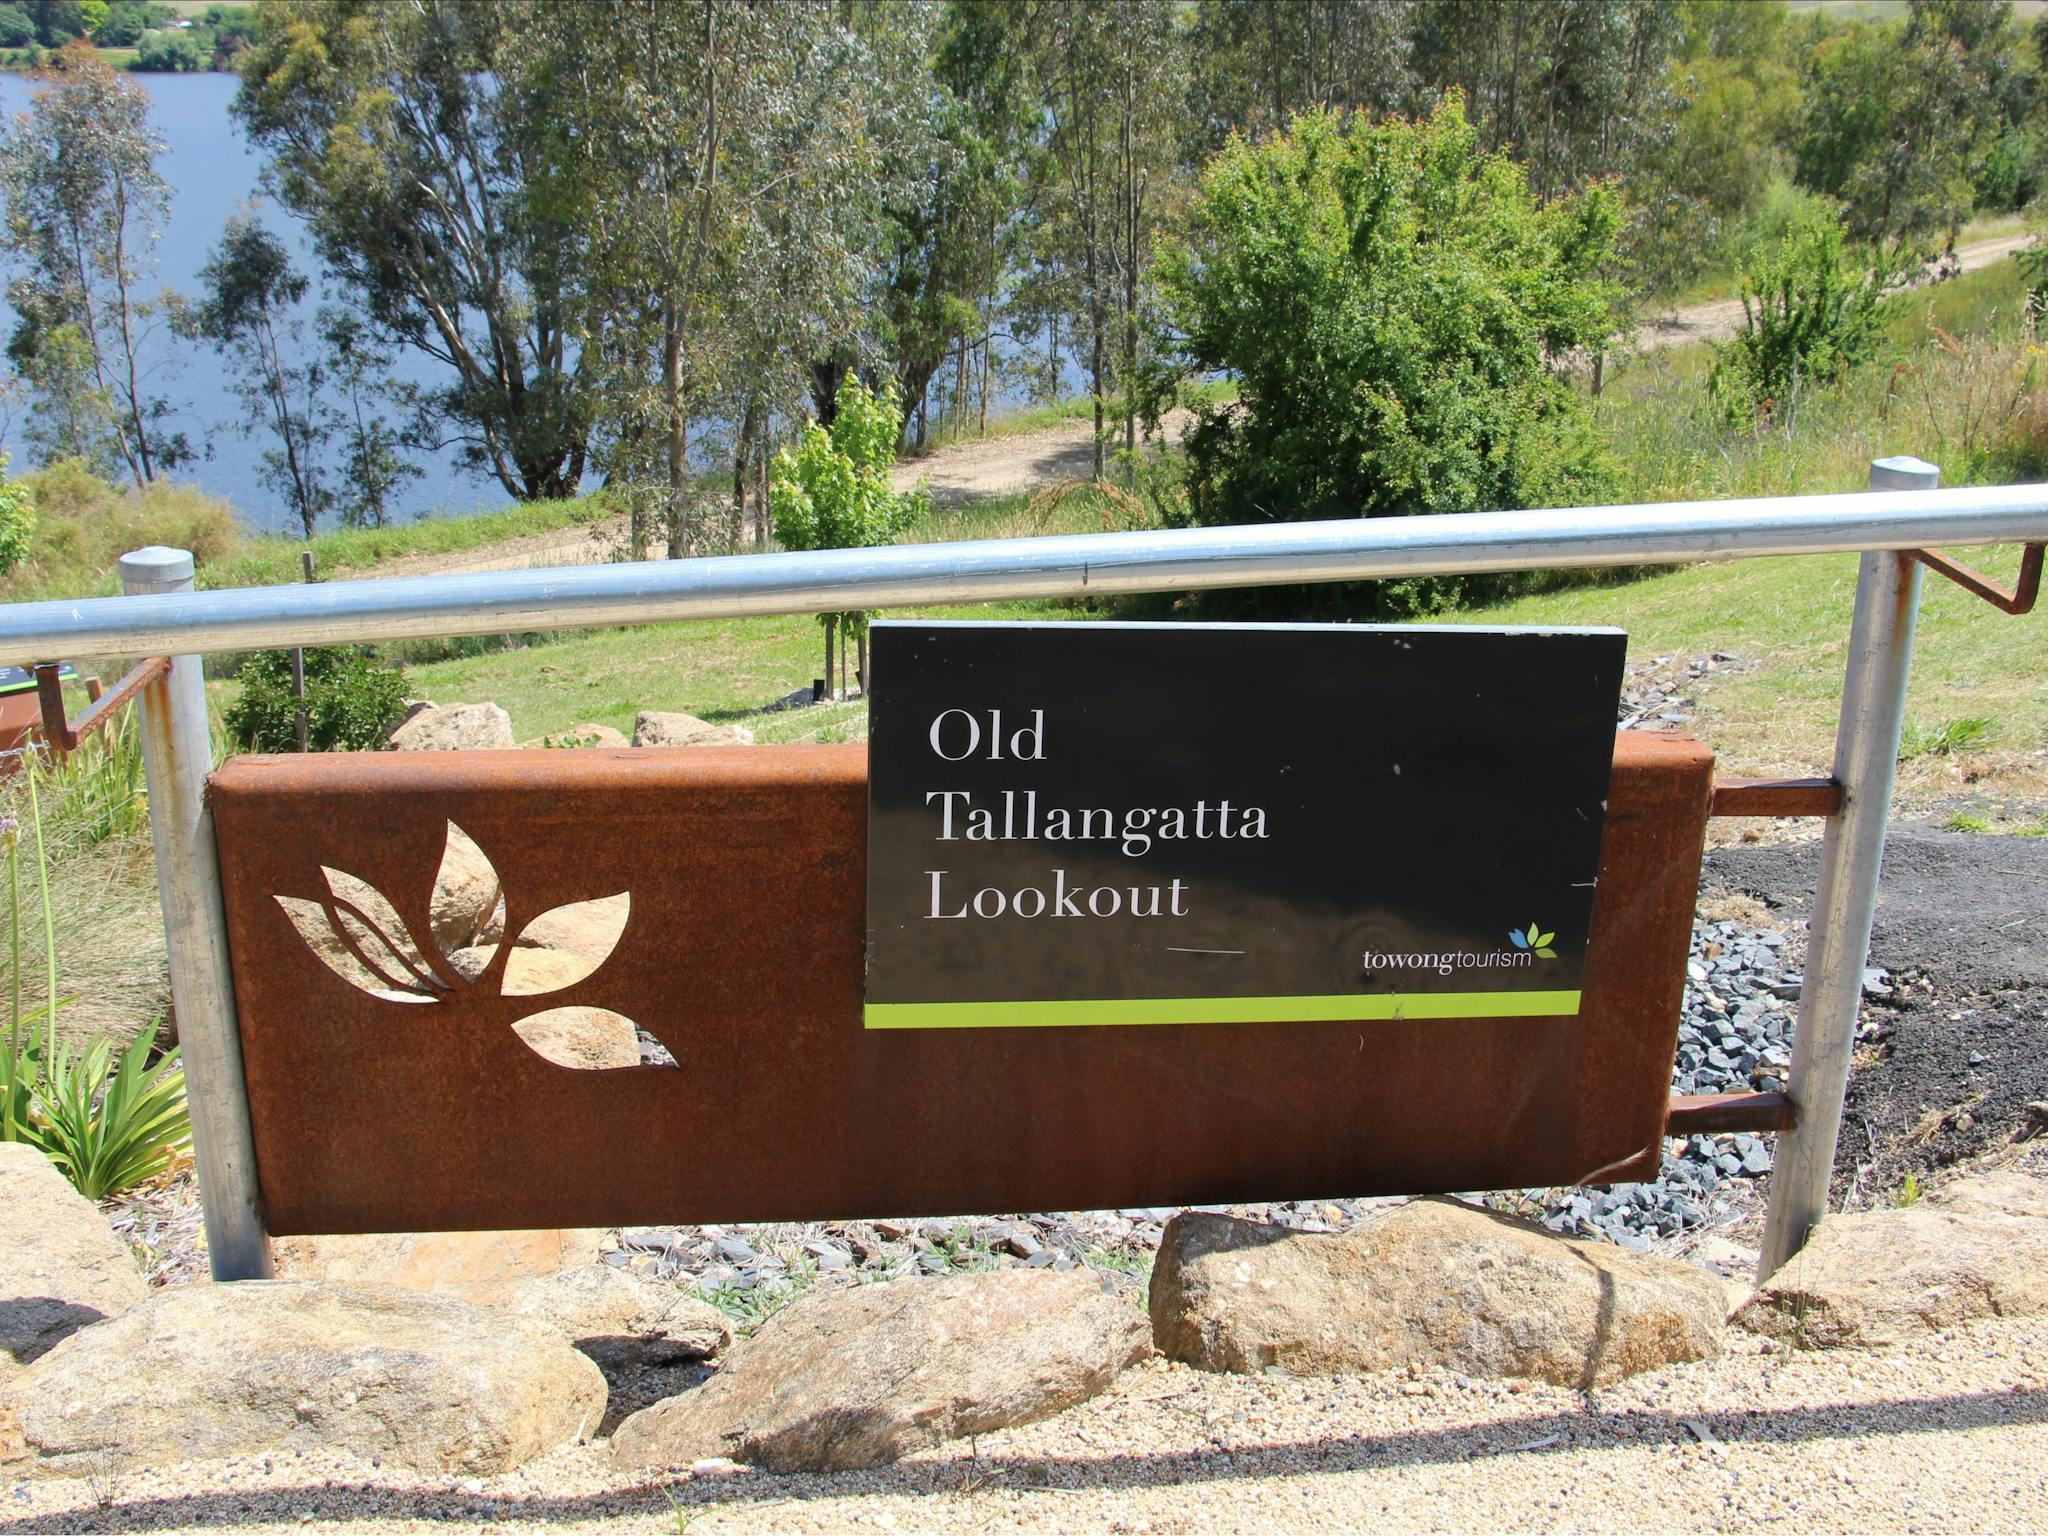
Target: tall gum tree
[(391, 131), (84, 209), (718, 160)]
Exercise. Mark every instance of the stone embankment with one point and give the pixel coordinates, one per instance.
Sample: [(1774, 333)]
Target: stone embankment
[(467, 1355)]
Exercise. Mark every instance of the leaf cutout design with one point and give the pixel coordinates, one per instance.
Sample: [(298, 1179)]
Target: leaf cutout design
[(321, 936), (468, 904), (391, 952), (1515, 938), (585, 1039), (566, 944)]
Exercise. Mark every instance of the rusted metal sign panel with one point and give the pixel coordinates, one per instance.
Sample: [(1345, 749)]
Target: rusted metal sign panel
[(393, 1084)]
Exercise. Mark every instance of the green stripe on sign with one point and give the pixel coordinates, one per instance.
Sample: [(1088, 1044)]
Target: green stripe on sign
[(1344, 1008)]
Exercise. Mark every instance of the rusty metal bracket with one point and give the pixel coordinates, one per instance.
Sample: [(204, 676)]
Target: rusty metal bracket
[(1713, 1114), (1775, 797), (2018, 601), (50, 693)]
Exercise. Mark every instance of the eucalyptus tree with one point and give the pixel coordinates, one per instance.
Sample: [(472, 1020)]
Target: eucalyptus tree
[(395, 131), (950, 191), (717, 161), (84, 209), (373, 462), (1573, 89), (1109, 82), (1257, 64), (1895, 116), (249, 297)]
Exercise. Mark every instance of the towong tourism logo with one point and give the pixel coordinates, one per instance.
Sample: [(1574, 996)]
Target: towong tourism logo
[(1531, 944)]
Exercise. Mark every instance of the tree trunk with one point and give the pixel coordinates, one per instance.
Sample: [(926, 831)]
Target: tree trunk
[(960, 391), (742, 454), (678, 430)]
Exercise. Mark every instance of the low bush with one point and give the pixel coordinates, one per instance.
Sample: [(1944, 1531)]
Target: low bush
[(1811, 312), (111, 1120), (108, 1119), (1397, 310), (17, 520), (83, 525), (351, 701)]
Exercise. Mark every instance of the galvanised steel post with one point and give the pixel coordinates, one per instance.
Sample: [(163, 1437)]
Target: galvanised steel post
[(177, 751), (1866, 761)]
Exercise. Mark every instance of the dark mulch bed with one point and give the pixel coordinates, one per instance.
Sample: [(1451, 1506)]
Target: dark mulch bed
[(1954, 1048)]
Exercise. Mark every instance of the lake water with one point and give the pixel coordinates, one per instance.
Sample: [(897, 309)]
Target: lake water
[(213, 172)]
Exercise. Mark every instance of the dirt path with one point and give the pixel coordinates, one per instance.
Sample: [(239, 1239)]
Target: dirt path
[(1024, 461), (1031, 461), (1720, 319), (585, 544)]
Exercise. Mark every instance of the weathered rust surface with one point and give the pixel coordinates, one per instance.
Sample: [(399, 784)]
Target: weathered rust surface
[(2019, 601), (1712, 1114), (743, 955), (1776, 797)]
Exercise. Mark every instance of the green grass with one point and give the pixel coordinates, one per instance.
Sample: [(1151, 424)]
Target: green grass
[(723, 670), (1956, 402), (1791, 618), (268, 560), (1787, 620)]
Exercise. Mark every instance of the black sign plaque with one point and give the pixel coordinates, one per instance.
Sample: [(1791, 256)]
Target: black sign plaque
[(1101, 824)]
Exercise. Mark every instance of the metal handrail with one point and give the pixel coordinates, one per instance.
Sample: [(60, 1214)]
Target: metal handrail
[(924, 575), (1901, 516)]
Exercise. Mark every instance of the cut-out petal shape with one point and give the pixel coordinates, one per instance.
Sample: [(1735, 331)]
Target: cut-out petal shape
[(586, 1039), (326, 941), (566, 944), (363, 907), (468, 905)]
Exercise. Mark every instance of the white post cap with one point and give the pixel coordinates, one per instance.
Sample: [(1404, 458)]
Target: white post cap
[(1903, 472), (156, 569)]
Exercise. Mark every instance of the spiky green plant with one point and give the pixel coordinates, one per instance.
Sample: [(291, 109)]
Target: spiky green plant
[(110, 1122)]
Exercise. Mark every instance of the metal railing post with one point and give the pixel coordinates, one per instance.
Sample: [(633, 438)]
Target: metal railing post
[(177, 756), (1866, 761)]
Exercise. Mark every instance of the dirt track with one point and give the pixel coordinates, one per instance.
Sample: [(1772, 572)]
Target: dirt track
[(1723, 317), (1030, 461)]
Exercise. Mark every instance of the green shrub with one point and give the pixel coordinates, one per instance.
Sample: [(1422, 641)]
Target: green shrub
[(85, 524), (835, 490), (1810, 313), (108, 1120), (17, 520), (1394, 306), (351, 701)]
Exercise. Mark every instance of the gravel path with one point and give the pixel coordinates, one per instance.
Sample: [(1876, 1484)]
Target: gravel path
[(1944, 1435)]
